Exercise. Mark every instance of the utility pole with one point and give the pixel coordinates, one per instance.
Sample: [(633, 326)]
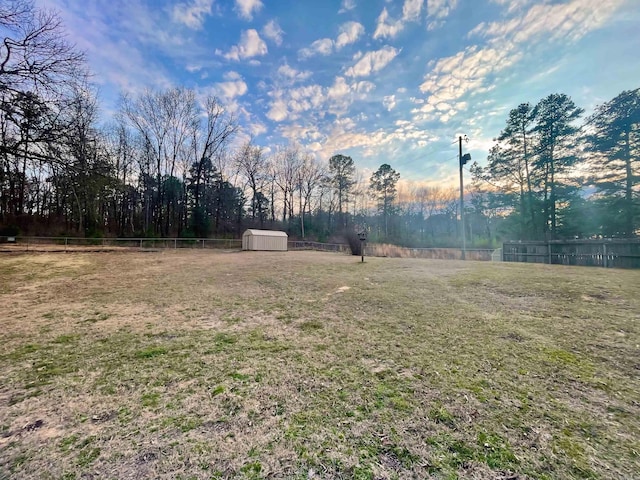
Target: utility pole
[(462, 161)]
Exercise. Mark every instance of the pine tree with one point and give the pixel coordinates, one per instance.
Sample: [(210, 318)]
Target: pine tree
[(554, 117), (615, 143), (383, 189)]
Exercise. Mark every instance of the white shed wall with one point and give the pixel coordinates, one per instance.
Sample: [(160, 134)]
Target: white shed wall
[(264, 240)]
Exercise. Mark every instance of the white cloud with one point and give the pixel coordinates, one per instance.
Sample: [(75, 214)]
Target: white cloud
[(305, 98), (273, 32), (257, 128), (234, 87), (440, 8), (293, 74), (570, 21), (411, 10), (277, 110), (474, 69), (341, 95), (192, 14), (251, 45), (347, 5), (349, 33), (372, 62), (246, 8), (467, 72), (324, 46), (389, 102), (363, 87), (289, 104), (513, 5), (387, 27), (339, 89)]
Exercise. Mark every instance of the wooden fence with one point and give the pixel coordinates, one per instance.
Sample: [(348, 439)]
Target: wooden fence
[(608, 253)]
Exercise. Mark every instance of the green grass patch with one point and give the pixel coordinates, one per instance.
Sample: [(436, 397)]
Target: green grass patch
[(151, 352)]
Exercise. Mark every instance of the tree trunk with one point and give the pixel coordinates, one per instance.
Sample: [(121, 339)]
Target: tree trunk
[(529, 189), (628, 197)]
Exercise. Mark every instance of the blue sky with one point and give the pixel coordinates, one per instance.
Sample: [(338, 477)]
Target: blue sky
[(382, 81)]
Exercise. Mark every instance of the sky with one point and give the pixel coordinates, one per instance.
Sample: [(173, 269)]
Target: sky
[(383, 81)]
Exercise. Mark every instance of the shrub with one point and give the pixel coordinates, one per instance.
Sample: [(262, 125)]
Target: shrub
[(354, 243)]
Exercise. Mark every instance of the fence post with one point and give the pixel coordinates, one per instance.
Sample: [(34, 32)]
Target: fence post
[(549, 251), (203, 243), (66, 240), (140, 244), (175, 243), (604, 255)]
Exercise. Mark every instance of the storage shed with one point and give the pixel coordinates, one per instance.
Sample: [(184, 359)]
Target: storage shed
[(264, 240)]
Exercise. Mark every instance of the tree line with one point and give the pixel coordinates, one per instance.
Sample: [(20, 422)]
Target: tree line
[(552, 177), (170, 163)]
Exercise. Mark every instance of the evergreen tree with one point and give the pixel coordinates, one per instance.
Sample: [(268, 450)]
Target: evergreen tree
[(383, 188), (615, 142), (341, 175), (554, 117), (517, 135)]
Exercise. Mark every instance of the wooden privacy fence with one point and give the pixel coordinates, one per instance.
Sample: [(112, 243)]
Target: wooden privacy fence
[(608, 253)]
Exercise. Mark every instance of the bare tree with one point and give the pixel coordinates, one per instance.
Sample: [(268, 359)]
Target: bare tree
[(286, 169), (34, 53), (208, 144), (166, 121), (122, 148), (252, 165), (85, 172), (311, 176)]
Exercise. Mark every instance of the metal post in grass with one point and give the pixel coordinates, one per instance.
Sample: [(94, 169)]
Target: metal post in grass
[(363, 238), (463, 160)]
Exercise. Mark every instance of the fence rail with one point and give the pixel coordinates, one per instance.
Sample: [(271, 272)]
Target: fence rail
[(607, 253), (323, 247), (52, 244)]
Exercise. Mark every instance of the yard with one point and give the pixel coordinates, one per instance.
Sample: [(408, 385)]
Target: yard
[(203, 364)]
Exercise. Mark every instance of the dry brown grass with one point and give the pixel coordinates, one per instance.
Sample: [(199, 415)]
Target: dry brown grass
[(393, 251), (200, 364)]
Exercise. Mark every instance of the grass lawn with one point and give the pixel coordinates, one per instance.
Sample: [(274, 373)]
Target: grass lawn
[(200, 364)]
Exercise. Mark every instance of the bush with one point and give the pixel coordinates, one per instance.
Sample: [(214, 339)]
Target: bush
[(354, 243)]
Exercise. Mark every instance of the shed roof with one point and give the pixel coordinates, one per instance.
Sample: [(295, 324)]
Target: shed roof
[(265, 233)]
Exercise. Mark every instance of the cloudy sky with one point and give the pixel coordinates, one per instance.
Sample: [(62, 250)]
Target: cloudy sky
[(384, 81)]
